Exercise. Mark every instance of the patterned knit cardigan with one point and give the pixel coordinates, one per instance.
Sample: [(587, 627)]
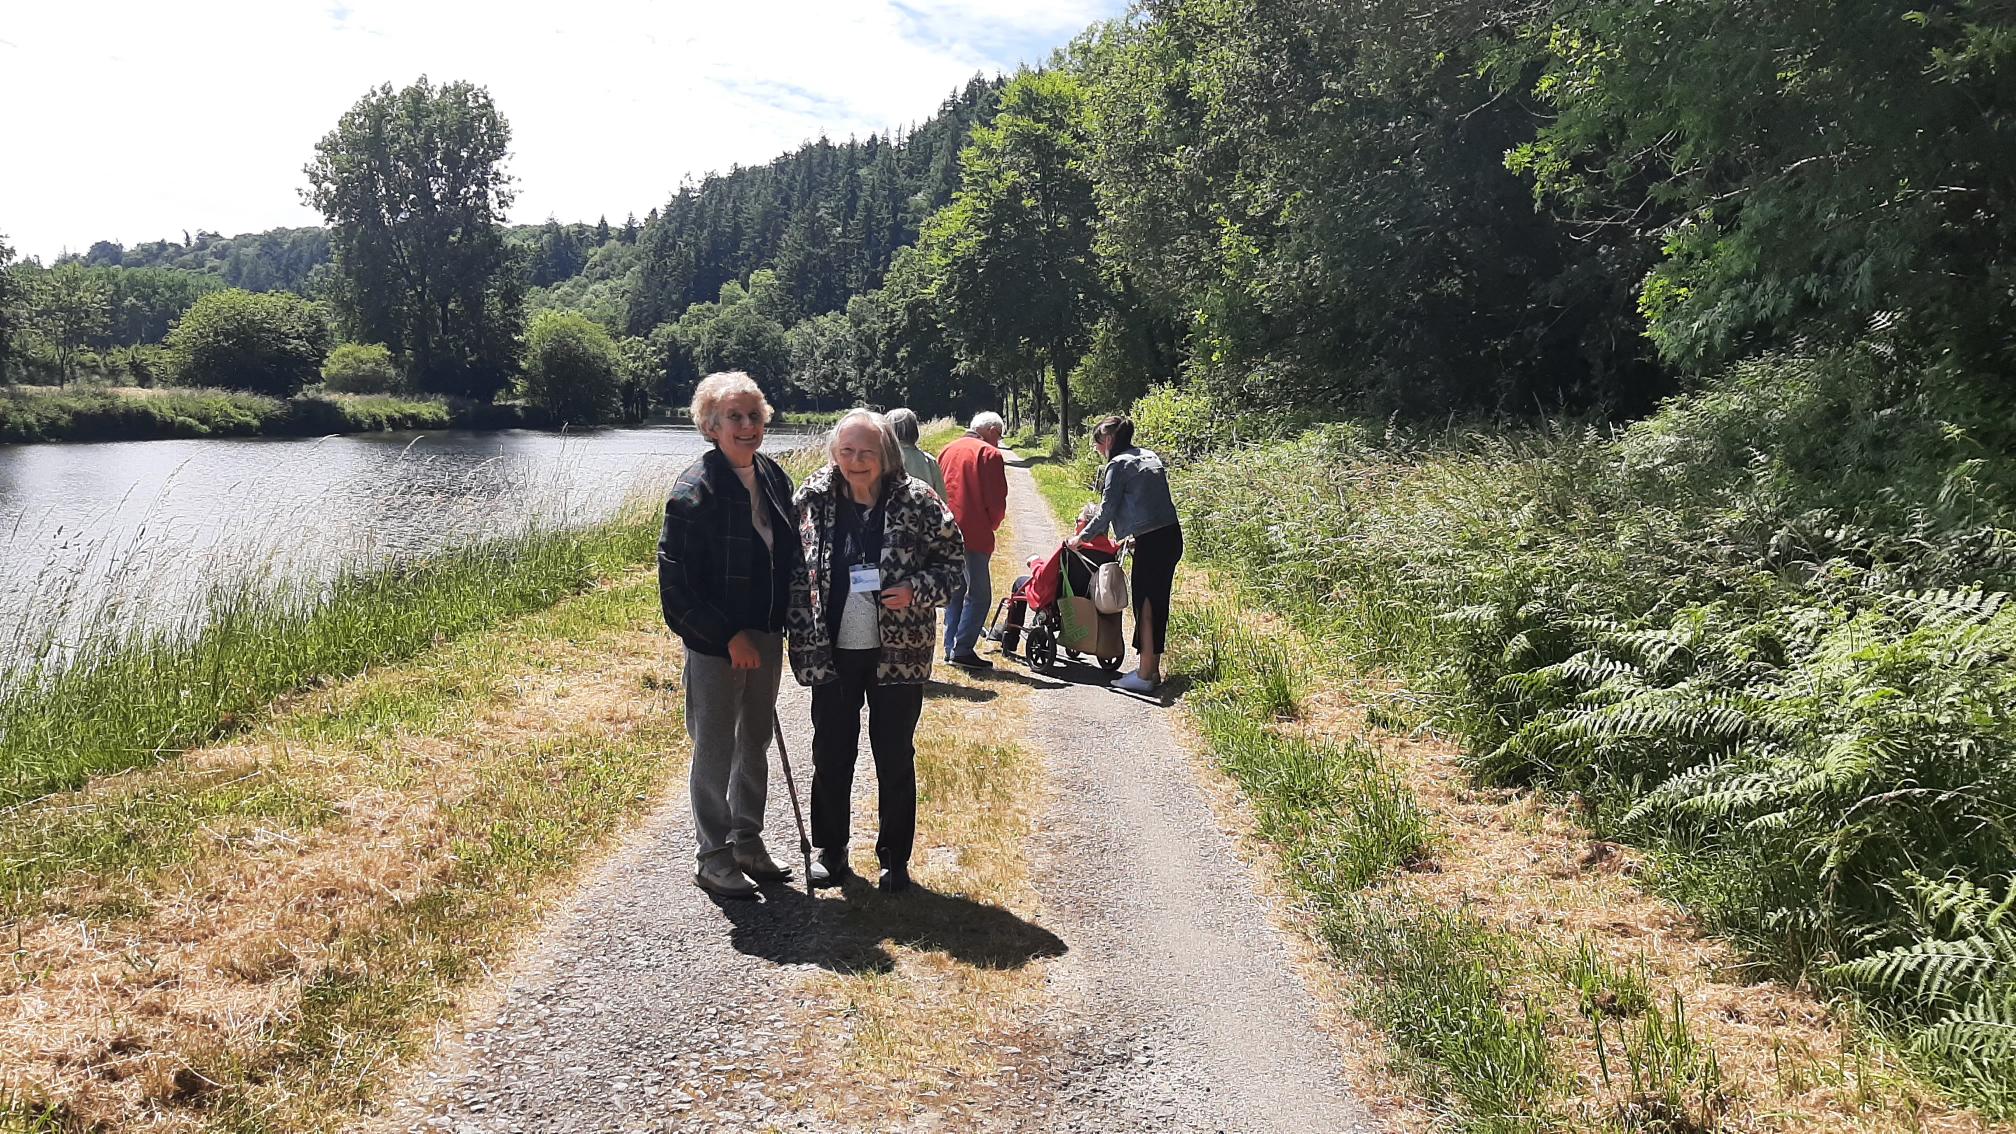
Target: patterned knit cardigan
[(921, 546)]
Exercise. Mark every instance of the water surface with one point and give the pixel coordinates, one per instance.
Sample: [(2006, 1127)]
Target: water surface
[(148, 526)]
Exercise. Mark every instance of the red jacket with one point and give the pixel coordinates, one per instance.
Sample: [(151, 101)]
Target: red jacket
[(976, 488)]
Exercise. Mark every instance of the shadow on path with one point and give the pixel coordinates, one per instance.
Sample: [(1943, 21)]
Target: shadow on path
[(948, 691), (846, 933), (1011, 669)]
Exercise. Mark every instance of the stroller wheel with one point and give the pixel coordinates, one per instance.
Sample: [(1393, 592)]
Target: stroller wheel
[(1111, 665), (1040, 651)]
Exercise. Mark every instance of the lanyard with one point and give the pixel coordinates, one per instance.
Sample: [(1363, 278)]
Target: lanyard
[(860, 537)]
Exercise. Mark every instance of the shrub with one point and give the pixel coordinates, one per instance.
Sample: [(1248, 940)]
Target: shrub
[(269, 343), (1186, 423), (1762, 631), (572, 370), (361, 368)]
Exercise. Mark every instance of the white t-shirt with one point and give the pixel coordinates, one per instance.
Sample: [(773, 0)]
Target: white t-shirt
[(758, 514), (858, 628), (859, 625)]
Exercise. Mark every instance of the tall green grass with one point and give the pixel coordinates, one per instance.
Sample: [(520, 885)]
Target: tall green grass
[(1439, 985), (112, 697), (96, 414), (1763, 633)]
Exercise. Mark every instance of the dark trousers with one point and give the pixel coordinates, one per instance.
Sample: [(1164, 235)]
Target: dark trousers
[(836, 739), (1155, 556)]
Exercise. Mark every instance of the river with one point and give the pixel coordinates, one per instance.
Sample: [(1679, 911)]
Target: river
[(147, 527)]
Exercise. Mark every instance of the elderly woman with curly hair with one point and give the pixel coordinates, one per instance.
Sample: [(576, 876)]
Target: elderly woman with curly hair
[(881, 551), (727, 559)]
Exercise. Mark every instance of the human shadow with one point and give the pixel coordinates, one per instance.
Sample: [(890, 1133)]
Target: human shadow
[(1166, 694), (848, 931), (1082, 671), (1012, 670), (946, 690)]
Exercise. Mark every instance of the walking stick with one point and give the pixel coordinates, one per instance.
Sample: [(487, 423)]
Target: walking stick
[(790, 785)]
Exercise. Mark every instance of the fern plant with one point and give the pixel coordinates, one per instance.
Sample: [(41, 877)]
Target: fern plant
[(1961, 977)]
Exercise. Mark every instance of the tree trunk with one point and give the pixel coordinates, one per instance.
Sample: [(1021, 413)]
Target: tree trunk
[(1065, 425)]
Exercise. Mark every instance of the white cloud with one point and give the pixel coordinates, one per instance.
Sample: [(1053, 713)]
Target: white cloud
[(132, 120)]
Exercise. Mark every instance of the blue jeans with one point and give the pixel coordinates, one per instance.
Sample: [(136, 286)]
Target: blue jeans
[(966, 611)]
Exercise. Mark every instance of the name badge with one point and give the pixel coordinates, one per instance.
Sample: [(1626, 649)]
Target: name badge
[(865, 578)]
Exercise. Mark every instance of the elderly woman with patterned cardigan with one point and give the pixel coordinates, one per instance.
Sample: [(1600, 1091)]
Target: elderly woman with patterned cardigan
[(881, 552)]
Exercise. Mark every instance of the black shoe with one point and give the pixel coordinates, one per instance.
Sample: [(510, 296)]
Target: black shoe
[(894, 880), (830, 870), (970, 661)]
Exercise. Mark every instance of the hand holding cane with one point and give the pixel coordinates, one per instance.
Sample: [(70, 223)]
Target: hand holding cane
[(790, 785)]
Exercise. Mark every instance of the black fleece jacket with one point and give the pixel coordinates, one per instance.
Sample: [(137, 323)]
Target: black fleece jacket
[(715, 576)]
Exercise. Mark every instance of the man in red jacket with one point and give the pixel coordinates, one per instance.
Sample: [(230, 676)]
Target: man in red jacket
[(976, 489)]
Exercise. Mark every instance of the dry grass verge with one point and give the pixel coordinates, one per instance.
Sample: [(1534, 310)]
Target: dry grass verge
[(1522, 978), (252, 937)]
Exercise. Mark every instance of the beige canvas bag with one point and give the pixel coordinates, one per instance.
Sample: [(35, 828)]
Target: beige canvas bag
[(1109, 588)]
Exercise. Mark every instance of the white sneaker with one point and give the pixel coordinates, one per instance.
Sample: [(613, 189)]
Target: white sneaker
[(1134, 683), (720, 875)]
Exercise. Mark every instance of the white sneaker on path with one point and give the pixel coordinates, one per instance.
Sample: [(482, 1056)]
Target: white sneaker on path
[(1134, 683)]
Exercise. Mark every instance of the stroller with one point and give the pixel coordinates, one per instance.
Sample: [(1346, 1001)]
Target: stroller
[(1049, 608)]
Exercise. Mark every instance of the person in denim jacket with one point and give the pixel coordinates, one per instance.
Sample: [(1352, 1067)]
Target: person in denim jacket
[(1135, 504)]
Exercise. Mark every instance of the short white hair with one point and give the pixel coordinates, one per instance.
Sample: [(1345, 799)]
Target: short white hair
[(717, 388), (985, 420), (904, 422)]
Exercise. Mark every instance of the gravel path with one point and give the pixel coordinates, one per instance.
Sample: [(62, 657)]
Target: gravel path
[(1178, 989), (644, 1005)]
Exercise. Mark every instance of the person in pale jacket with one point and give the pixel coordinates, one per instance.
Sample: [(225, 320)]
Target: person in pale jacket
[(916, 462)]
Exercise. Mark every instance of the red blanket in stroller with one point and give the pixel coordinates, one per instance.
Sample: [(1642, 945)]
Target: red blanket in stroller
[(1046, 576)]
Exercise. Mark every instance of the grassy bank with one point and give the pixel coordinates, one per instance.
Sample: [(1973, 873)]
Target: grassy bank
[(1453, 673), (253, 937), (148, 415), (106, 700), (1761, 634)]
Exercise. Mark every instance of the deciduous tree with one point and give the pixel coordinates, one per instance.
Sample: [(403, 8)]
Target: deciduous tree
[(1806, 166), (70, 306), (361, 368), (13, 296), (413, 186), (1018, 275), (572, 371)]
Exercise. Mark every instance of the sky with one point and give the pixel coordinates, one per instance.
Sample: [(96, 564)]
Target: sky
[(135, 120)]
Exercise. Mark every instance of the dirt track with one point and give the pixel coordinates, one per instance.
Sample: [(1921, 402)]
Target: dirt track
[(1173, 1004)]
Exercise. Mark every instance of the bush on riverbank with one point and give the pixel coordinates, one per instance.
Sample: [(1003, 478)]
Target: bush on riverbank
[(147, 415), (1762, 632)]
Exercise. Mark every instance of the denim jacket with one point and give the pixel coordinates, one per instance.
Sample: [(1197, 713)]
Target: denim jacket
[(1133, 495)]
